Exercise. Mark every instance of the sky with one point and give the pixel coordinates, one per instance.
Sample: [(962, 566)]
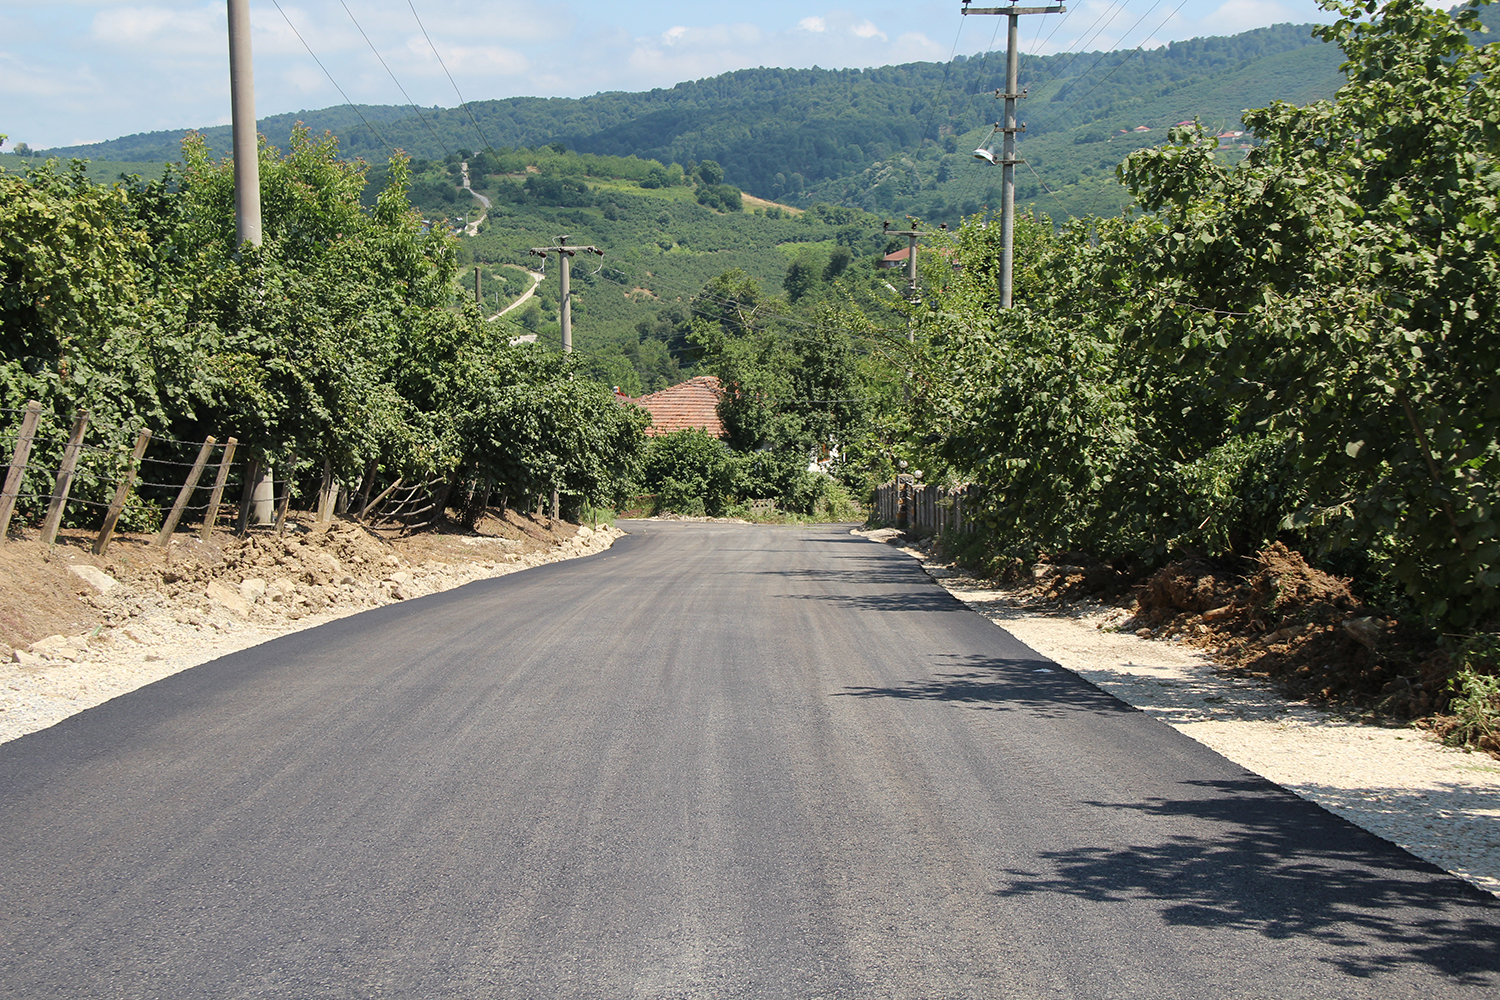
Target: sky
[(78, 71)]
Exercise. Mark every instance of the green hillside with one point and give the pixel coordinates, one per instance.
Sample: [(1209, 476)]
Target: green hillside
[(894, 139), (632, 310), (343, 121)]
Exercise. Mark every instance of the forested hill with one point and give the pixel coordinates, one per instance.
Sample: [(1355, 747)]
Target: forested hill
[(778, 131)]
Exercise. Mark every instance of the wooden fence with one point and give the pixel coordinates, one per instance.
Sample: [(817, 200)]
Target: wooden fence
[(921, 510), (169, 469)]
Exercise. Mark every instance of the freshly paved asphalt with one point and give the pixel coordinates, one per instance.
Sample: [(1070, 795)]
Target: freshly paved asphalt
[(715, 761)]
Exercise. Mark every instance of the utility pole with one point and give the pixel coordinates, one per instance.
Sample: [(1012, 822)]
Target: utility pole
[(565, 309), (478, 298), (912, 296), (1007, 158), (246, 144), (262, 489), (565, 256)]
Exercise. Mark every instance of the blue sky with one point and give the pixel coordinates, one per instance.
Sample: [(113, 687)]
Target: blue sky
[(74, 71)]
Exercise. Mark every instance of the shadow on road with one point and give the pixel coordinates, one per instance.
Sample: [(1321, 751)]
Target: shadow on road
[(922, 601), (1035, 685), (1275, 865), (882, 572)]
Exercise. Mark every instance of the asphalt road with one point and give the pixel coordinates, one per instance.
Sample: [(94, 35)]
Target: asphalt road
[(715, 761)]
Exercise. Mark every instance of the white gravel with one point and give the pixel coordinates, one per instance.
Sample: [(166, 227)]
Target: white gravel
[(1439, 803)]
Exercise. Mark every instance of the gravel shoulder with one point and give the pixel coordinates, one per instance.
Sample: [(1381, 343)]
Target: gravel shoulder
[(1439, 803)]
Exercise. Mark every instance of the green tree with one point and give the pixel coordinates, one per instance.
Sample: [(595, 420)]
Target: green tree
[(1342, 286)]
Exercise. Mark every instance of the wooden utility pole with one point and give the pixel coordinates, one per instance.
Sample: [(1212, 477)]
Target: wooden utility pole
[(246, 144), (565, 256), (1009, 129)]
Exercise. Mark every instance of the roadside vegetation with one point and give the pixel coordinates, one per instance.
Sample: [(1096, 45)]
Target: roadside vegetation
[(1298, 348)]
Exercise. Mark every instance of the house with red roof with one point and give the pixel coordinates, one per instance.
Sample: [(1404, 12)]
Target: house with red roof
[(694, 403)]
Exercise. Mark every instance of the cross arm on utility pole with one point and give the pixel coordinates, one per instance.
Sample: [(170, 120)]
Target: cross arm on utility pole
[(912, 235), (565, 252), (1055, 9), (1007, 159)]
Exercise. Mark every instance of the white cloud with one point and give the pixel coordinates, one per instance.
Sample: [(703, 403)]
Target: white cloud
[(815, 24), (865, 29), (1242, 15), (162, 31)]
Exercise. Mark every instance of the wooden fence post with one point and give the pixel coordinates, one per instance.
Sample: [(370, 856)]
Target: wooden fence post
[(286, 494), (18, 465), (247, 496), (217, 495), (185, 494), (122, 493), (64, 479), (326, 493)]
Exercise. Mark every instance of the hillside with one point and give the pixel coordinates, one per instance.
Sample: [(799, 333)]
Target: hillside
[(894, 139), (632, 310)]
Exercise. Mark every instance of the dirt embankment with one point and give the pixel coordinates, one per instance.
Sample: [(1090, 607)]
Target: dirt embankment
[(76, 629), (1277, 619)]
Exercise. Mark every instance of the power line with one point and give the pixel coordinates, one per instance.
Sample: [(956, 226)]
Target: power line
[(461, 102), (1089, 34), (331, 80), (1116, 68), (943, 85), (412, 104)]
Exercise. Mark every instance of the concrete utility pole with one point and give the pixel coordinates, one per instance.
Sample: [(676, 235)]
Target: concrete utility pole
[(246, 144), (1007, 158), (565, 308), (247, 229), (912, 235), (565, 256)]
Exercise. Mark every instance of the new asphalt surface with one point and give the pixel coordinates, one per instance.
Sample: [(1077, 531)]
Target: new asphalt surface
[(715, 761)]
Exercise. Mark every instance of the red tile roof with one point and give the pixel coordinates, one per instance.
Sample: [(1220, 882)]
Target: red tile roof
[(693, 403)]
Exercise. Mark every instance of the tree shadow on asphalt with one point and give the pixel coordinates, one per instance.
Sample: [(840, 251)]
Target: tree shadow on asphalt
[(923, 601), (1283, 868), (882, 572), (1002, 685)]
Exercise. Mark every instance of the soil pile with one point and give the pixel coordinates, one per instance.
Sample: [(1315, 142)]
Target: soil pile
[(1292, 623), (64, 603)]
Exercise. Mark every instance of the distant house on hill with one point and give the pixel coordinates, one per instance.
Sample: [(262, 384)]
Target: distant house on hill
[(899, 258), (694, 403)]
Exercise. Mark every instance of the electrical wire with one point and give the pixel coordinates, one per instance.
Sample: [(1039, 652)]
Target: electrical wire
[(461, 102), (331, 80), (410, 103), (1116, 68), (1089, 34), (943, 84), (1053, 193)]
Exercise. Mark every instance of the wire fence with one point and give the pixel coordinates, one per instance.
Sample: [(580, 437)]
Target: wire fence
[(66, 471)]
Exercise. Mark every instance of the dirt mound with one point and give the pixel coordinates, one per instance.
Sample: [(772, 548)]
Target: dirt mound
[(1191, 585), (1284, 587), (262, 578), (1290, 622)]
